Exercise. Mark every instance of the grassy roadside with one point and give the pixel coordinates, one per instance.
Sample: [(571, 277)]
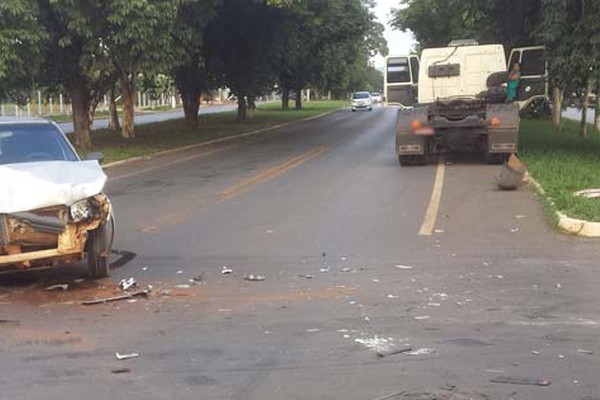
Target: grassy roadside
[(563, 163), (151, 138)]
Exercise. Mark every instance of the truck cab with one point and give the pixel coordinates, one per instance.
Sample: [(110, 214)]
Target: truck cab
[(461, 102)]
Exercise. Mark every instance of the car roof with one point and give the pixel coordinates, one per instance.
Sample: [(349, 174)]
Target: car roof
[(362, 91), (23, 120)]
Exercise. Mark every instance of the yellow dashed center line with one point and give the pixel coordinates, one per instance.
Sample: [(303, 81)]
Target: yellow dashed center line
[(269, 174)]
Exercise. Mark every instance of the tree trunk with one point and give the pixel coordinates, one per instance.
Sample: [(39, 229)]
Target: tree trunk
[(242, 109), (128, 95), (81, 118), (557, 102), (191, 104), (285, 99), (299, 99), (584, 112), (251, 105), (596, 112), (113, 122)]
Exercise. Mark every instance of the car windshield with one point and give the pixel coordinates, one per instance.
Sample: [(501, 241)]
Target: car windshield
[(360, 95), (23, 142)]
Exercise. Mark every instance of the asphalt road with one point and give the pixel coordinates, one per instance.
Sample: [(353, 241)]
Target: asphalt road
[(140, 119), (356, 253)]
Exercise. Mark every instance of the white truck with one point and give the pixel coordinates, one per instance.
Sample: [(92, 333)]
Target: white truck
[(454, 99)]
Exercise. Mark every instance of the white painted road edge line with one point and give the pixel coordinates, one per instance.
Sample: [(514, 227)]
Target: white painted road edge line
[(434, 204), (214, 141)]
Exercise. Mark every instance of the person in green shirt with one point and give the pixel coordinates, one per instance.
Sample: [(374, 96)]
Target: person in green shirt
[(513, 82)]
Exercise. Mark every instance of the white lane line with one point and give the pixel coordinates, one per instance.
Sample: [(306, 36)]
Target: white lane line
[(434, 204)]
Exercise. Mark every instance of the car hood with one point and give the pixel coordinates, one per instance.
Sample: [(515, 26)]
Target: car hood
[(35, 185)]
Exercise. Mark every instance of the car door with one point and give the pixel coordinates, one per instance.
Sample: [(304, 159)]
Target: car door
[(533, 83)]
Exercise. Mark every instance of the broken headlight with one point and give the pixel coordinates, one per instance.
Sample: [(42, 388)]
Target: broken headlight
[(82, 210)]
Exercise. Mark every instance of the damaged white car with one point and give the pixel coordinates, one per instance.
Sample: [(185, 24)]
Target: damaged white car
[(52, 208)]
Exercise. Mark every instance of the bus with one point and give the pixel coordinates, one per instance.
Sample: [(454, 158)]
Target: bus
[(401, 80)]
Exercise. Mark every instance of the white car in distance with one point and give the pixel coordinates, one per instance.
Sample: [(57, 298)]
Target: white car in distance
[(362, 101)]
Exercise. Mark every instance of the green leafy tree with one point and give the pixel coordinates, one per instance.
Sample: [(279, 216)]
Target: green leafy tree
[(138, 40)]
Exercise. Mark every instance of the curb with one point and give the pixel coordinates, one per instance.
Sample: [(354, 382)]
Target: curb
[(211, 142), (573, 226)]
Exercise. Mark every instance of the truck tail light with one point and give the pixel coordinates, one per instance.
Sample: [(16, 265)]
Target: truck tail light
[(495, 122), (415, 125)]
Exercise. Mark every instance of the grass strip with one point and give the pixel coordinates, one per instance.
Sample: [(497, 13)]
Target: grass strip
[(151, 138), (563, 163)]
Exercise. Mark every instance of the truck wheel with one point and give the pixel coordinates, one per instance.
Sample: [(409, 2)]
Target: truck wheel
[(98, 250)]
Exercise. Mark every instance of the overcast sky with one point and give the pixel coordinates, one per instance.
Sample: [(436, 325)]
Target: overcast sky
[(398, 42)]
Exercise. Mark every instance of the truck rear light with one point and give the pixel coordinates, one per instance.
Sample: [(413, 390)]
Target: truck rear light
[(495, 122), (416, 124)]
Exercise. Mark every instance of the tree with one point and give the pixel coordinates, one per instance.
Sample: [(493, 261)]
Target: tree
[(138, 39), (22, 41), (191, 75), (239, 49)]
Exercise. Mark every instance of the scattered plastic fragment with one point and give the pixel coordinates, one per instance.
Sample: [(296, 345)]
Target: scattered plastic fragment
[(142, 293), (494, 371), (558, 286), (324, 270), (521, 381), (561, 356), (126, 356), (392, 296), (375, 280), (583, 351), (422, 317), (439, 231), (403, 266), (520, 216), (306, 276), (343, 258), (120, 370), (79, 280), (61, 286), (180, 271), (434, 304), (515, 230), (226, 270), (254, 278), (145, 268), (421, 352), (126, 284), (312, 330), (183, 286), (392, 351), (537, 353)]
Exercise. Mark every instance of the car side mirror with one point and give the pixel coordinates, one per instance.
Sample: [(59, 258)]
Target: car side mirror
[(96, 156)]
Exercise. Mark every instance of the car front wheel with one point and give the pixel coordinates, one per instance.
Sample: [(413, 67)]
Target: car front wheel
[(98, 245)]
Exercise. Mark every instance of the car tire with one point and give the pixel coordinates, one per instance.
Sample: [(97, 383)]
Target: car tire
[(353, 110), (98, 246), (370, 108)]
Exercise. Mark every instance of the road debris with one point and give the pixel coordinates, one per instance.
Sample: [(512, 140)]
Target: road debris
[(399, 266), (61, 286), (254, 278), (120, 370), (511, 174), (392, 296), (422, 317), (375, 280), (121, 357), (393, 350), (439, 231), (141, 293), (376, 343), (10, 322), (558, 286), (183, 286), (521, 381), (145, 268), (306, 276), (535, 352), (126, 284), (515, 230), (324, 270), (583, 351), (343, 258), (520, 216), (226, 270), (180, 271), (312, 330), (421, 352), (79, 280), (434, 304)]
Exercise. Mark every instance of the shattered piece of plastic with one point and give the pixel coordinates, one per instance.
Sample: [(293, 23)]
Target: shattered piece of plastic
[(399, 266), (558, 286), (439, 231), (128, 283), (375, 280), (145, 268), (515, 230), (521, 381), (121, 357), (79, 280), (226, 270), (421, 352), (324, 270), (306, 276), (392, 296), (254, 278), (183, 286), (343, 258), (120, 370), (583, 351), (61, 286), (535, 352), (422, 317), (312, 330), (180, 271)]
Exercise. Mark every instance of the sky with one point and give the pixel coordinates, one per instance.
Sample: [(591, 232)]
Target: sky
[(398, 42)]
